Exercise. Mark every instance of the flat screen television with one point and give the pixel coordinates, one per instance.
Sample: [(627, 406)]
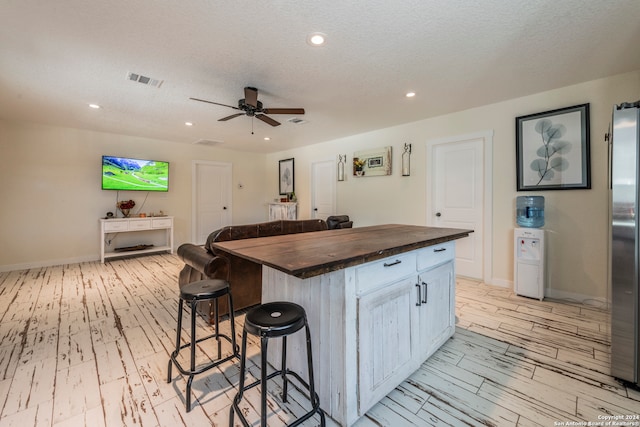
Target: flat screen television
[(126, 174)]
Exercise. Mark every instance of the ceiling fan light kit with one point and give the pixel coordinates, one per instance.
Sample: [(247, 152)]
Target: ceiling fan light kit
[(250, 106)]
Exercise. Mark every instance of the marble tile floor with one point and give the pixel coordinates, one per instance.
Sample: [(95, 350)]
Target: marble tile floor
[(88, 344)]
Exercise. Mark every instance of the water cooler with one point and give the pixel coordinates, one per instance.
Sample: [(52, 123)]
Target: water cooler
[(529, 248)]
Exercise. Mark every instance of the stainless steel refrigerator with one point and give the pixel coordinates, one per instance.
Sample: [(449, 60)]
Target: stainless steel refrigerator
[(625, 243)]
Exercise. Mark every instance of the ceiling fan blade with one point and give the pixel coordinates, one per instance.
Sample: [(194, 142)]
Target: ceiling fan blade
[(267, 120), (283, 110), (215, 103), (224, 119), (251, 96)]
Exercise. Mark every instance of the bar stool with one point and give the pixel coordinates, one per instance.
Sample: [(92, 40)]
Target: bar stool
[(203, 290), (271, 320)]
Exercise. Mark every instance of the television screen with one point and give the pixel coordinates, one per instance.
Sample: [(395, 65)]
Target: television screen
[(124, 174)]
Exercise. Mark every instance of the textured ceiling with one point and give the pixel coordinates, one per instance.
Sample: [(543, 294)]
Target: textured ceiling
[(58, 56)]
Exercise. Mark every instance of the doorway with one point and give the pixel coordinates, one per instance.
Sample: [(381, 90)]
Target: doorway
[(211, 198), (459, 187), (323, 189)]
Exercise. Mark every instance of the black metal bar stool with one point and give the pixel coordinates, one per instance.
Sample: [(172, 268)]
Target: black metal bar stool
[(271, 320), (203, 290)]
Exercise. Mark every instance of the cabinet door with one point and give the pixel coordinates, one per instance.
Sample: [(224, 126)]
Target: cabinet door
[(385, 325), (437, 309)]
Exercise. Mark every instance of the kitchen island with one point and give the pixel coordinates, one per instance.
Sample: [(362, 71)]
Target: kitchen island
[(379, 300)]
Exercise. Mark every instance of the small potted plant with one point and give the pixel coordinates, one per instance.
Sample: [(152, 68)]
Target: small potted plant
[(357, 166), (125, 207)]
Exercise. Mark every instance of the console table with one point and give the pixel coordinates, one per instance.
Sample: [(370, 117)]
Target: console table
[(283, 210), (112, 227), (379, 300)]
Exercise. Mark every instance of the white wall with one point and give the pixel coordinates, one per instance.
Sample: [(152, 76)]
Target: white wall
[(51, 193), (576, 220), (51, 197)]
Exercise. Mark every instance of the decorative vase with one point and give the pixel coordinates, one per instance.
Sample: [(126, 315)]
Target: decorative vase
[(125, 212)]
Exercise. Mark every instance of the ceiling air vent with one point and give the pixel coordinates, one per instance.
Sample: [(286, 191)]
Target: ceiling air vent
[(207, 142), (149, 81), (297, 121)]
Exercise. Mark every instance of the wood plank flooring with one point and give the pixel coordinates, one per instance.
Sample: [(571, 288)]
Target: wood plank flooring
[(88, 345)]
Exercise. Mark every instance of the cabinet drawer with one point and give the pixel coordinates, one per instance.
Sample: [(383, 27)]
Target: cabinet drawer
[(436, 254), (161, 222), (111, 226), (144, 224), (375, 274)]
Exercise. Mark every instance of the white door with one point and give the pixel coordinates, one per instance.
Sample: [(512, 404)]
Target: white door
[(211, 198), (459, 186), (323, 192)]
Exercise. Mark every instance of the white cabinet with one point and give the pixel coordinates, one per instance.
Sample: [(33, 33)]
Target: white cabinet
[(110, 229), (402, 322), (283, 210), (436, 315), (386, 322), (436, 310), (370, 326)]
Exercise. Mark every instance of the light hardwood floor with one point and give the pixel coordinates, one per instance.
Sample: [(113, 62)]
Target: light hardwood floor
[(88, 344)]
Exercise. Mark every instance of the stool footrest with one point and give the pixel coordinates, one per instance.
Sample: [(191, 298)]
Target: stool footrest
[(226, 337), (315, 400), (213, 364)]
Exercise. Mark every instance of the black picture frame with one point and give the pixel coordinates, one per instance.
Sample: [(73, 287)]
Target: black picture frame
[(286, 176), (553, 150)]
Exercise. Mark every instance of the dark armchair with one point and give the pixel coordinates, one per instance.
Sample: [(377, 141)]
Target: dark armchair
[(339, 221)]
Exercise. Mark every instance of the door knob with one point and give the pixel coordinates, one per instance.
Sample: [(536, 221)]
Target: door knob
[(224, 207), (315, 209), (438, 214)]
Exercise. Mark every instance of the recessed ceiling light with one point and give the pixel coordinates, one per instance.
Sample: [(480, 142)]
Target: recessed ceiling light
[(266, 138), (410, 94), (316, 39), (96, 106), (188, 124)]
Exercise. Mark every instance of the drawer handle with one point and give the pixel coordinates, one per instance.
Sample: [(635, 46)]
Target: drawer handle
[(396, 262), (440, 250), (418, 301), (425, 297)]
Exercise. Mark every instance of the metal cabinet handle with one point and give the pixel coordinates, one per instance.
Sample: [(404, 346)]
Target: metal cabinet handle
[(419, 296), (440, 250), (425, 296), (396, 262)]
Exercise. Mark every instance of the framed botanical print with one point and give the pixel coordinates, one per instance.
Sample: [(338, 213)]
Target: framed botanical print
[(552, 150), (285, 171)]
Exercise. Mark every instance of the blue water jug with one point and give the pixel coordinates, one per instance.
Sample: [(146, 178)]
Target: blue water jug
[(530, 211)]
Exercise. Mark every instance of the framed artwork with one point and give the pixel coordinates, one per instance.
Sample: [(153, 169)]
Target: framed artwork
[(375, 162), (285, 173), (552, 150)]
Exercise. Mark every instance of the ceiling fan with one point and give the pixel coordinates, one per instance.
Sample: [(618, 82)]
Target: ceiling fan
[(250, 106)]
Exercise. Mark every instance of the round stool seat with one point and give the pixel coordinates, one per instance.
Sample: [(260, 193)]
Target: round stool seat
[(275, 319), (204, 289)]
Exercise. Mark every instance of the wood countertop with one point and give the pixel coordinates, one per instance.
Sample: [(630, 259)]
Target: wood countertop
[(306, 255)]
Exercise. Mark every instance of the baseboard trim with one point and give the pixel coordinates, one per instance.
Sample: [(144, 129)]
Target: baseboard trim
[(572, 297), (559, 295), (48, 263), (501, 283)]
